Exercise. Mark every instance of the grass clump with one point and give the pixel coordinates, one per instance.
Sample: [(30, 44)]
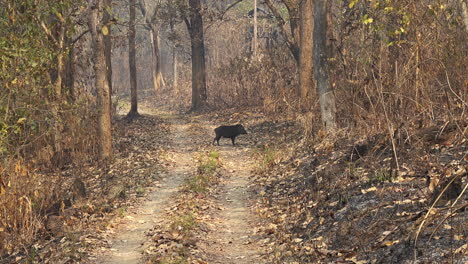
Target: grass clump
[(383, 175), (267, 156), (184, 224), (208, 164)]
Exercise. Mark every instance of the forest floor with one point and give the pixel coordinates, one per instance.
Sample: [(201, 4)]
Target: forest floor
[(128, 234), (170, 196), (223, 229)]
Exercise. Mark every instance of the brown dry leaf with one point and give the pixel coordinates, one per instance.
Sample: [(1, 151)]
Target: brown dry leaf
[(389, 243), (298, 240), (354, 260), (463, 249), (371, 189)]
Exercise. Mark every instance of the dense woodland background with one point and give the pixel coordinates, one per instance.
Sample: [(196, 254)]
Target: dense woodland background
[(397, 71)]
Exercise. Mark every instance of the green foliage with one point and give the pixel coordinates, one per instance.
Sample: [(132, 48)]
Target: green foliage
[(184, 224), (214, 155), (210, 163), (28, 55), (140, 191), (267, 155), (205, 173), (30, 111), (383, 175)]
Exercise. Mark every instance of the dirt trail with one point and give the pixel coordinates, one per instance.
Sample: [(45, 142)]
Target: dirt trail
[(231, 240), (130, 233), (234, 239)]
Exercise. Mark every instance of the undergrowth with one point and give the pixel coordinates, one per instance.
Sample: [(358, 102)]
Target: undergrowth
[(205, 176)]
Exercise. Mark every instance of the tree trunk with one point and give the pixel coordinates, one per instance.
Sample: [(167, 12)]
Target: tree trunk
[(108, 43), (175, 88), (195, 27), (69, 76), (254, 43), (291, 39), (131, 61), (102, 85), (58, 122), (175, 75), (306, 81), (464, 12), (321, 68), (60, 61), (294, 23), (158, 80)]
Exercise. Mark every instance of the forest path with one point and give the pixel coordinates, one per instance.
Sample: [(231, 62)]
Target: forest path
[(126, 244), (233, 238)]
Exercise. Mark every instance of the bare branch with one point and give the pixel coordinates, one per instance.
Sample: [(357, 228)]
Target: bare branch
[(229, 7), (281, 24)]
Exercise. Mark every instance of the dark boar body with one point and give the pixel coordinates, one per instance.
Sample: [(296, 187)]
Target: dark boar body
[(229, 132)]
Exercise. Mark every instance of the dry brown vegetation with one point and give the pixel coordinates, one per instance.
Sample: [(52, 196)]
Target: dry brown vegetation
[(388, 186)]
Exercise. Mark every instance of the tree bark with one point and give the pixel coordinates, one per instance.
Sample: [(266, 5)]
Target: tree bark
[(175, 75), (306, 81), (108, 43), (254, 43), (60, 61), (464, 12), (158, 80), (157, 77), (294, 12), (69, 81), (195, 28), (321, 68), (102, 85), (131, 62)]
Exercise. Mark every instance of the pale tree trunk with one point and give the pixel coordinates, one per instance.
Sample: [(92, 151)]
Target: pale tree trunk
[(321, 67), (464, 12), (175, 88), (131, 62), (58, 122), (158, 80), (255, 32), (108, 43), (306, 81), (175, 74), (157, 77), (60, 62), (159, 61), (102, 86), (195, 27)]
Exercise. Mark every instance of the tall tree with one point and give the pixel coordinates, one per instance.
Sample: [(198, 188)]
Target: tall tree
[(254, 43), (175, 75), (102, 85), (292, 37), (321, 65), (106, 20), (195, 28), (306, 26), (151, 26), (132, 61)]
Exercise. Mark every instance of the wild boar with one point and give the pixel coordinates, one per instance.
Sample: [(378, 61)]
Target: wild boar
[(229, 132)]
